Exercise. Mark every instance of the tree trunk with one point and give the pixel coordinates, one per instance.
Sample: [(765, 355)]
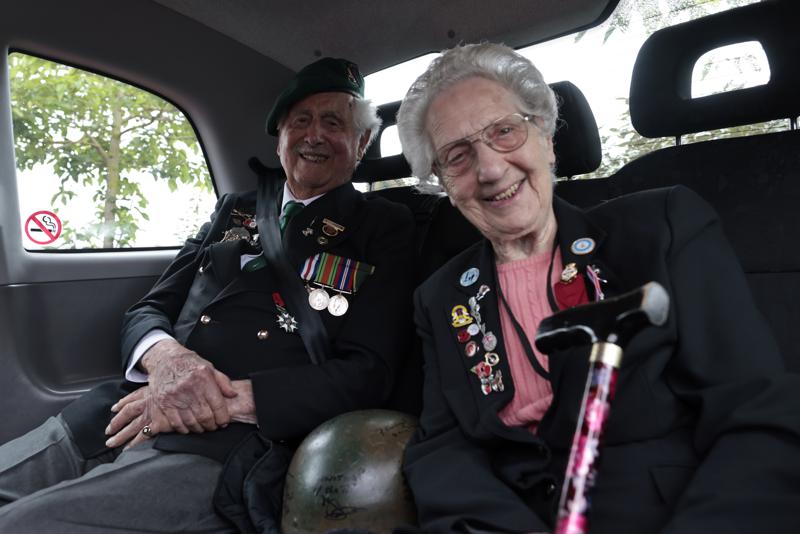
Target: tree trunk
[(113, 175)]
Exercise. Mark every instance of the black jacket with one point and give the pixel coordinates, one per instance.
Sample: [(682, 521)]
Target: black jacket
[(704, 431), (208, 303)]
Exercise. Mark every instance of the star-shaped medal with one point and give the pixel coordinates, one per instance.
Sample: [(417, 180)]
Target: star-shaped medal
[(287, 322)]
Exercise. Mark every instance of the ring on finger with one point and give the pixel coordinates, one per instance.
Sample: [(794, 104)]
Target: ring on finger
[(147, 431)]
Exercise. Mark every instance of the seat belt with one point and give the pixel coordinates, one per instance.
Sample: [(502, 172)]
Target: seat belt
[(310, 327)]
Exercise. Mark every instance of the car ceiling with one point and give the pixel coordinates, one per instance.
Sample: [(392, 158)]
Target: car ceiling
[(378, 34)]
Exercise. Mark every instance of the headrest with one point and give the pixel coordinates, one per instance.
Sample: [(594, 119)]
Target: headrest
[(660, 98), (576, 141)]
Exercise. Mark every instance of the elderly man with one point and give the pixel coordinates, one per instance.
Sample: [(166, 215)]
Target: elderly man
[(261, 328)]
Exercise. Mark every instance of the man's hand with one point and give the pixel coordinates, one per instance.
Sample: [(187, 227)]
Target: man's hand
[(186, 388), (242, 407), (133, 412)]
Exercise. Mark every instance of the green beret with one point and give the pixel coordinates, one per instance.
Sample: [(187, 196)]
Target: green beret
[(323, 76)]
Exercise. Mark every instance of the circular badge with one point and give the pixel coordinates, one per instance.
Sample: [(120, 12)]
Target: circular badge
[(473, 329), (491, 358), (469, 277), (462, 336), (318, 299), (338, 305), (489, 341), (471, 349), (583, 245)]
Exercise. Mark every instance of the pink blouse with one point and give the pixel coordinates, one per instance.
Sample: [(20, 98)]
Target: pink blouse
[(524, 287)]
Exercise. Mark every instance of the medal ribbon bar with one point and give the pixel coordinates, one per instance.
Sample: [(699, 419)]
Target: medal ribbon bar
[(329, 270)]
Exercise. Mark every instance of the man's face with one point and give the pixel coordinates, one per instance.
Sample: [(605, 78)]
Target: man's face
[(318, 144)]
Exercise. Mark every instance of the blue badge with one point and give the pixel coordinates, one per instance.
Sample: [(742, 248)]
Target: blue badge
[(470, 276), (583, 245)]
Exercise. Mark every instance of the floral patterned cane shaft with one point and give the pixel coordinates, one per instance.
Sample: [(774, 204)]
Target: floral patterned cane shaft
[(582, 467)]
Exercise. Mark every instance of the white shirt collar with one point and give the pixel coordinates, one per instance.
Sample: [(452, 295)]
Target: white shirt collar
[(287, 196)]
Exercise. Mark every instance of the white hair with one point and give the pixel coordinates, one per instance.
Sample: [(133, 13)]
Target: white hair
[(494, 62), (365, 117)]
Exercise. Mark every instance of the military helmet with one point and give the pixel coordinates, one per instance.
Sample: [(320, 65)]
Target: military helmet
[(347, 473)]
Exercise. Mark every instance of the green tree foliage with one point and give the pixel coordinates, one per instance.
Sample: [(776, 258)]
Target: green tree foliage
[(100, 134)]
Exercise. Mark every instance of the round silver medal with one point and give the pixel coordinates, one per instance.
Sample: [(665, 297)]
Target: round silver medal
[(338, 305), (318, 299)]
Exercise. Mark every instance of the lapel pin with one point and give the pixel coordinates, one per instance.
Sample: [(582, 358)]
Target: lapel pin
[(592, 273), (330, 228), (582, 245), (489, 341), (460, 316), (469, 277), (569, 273), (322, 240), (482, 291)]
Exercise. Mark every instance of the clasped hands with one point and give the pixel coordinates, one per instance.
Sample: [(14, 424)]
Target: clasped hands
[(184, 394)]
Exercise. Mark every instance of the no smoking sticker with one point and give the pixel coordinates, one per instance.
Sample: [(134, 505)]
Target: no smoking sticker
[(43, 227)]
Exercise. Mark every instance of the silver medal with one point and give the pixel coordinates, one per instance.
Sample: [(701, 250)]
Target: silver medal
[(338, 305), (318, 299)]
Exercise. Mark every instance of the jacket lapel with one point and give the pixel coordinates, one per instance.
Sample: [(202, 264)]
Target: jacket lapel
[(476, 276), (581, 242), (567, 369), (322, 225)]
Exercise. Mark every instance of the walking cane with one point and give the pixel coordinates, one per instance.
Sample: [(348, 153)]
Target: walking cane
[(608, 325)]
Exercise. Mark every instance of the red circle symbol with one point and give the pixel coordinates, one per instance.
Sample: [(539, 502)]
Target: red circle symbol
[(43, 227)]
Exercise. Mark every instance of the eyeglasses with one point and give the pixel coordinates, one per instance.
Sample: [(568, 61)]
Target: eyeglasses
[(506, 134)]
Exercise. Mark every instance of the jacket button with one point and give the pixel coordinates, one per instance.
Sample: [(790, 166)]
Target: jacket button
[(205, 319), (262, 335)]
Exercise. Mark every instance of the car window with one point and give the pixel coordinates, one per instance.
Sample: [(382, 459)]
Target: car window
[(600, 62), (102, 164)]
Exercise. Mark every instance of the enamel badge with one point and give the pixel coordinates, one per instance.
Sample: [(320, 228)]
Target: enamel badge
[(469, 277), (583, 245), (460, 316)]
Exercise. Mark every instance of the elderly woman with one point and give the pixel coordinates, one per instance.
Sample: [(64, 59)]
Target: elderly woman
[(705, 429)]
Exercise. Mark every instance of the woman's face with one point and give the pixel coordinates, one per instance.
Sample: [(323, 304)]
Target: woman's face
[(504, 195)]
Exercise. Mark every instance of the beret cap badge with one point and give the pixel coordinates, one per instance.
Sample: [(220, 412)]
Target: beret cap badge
[(326, 75)]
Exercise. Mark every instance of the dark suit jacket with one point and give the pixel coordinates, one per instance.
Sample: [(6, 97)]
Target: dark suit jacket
[(292, 395), (703, 433)]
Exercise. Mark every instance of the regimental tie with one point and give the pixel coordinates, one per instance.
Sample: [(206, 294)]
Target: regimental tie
[(290, 209)]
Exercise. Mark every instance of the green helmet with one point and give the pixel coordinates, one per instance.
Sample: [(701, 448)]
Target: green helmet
[(347, 473)]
